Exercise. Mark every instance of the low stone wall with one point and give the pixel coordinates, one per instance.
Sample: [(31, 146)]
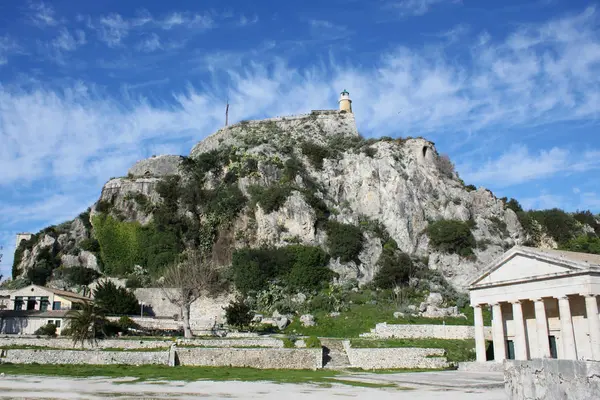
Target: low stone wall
[(475, 366), (253, 358), (386, 331), (395, 358), (552, 379), (84, 357), (67, 343)]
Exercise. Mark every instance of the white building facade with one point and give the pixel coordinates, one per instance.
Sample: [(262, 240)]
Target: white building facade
[(544, 305)]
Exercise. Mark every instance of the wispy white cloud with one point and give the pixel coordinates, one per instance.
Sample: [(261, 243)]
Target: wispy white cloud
[(42, 14), (8, 46), (150, 43), (65, 41), (245, 21), (328, 30), (113, 29), (518, 165), (418, 7)]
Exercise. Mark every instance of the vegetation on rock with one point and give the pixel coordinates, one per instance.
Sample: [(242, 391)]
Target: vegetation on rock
[(344, 241), (451, 236)]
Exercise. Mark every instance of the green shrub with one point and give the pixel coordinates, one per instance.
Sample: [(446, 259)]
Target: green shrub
[(395, 268), (103, 206), (312, 342), (115, 300), (292, 168), (451, 236), (514, 205), (470, 188), (315, 154), (583, 244), (297, 267), (559, 224), (46, 330), (270, 198), (369, 151), (133, 282), (588, 218), (238, 313), (344, 241), (90, 244), (288, 343)]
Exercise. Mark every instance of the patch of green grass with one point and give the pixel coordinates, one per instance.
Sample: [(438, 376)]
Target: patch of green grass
[(361, 318), (456, 350)]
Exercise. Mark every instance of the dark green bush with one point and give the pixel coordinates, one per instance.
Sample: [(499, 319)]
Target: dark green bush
[(559, 224), (297, 267), (46, 330), (238, 313), (344, 241), (451, 236), (471, 188), (514, 205), (315, 154), (583, 244), (125, 324), (395, 268), (270, 198), (588, 218), (113, 300), (292, 168), (369, 151), (90, 244)]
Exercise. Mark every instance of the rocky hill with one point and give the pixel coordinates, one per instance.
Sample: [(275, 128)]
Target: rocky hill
[(308, 180)]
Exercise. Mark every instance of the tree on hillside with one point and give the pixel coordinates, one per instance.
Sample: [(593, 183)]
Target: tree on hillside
[(193, 276), (114, 300)]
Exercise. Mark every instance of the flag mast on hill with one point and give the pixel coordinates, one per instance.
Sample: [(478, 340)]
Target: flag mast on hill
[(227, 113)]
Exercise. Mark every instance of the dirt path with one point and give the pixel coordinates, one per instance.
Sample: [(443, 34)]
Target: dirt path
[(36, 387)]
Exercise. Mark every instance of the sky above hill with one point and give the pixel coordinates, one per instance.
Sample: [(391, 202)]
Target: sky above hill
[(508, 89)]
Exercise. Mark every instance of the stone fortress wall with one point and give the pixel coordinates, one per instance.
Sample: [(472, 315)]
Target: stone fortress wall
[(460, 332), (395, 358)]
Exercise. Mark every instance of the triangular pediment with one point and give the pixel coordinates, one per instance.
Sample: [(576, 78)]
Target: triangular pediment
[(525, 264)]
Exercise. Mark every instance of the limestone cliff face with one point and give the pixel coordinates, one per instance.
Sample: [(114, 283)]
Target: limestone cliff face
[(399, 184)]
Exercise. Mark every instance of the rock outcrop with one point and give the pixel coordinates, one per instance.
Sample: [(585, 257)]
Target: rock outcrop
[(399, 185)]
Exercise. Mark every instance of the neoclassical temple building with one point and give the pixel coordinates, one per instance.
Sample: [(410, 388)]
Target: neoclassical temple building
[(544, 305)]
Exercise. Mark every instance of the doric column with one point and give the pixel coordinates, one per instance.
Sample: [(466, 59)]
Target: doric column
[(566, 329), (479, 335), (541, 324), (498, 333), (520, 338), (591, 308)]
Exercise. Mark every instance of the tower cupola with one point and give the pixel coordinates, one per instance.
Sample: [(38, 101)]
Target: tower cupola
[(345, 102)]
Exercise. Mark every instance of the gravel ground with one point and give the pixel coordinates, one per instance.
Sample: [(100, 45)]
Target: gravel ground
[(421, 386)]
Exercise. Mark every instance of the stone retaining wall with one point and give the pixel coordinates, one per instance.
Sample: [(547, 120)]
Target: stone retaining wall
[(253, 358), (552, 379), (84, 357), (67, 343), (386, 331), (395, 358)]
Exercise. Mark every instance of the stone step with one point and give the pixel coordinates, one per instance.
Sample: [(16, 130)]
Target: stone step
[(334, 354)]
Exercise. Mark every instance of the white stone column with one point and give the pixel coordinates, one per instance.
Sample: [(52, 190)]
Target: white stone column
[(498, 333), (479, 335), (541, 324), (591, 308), (520, 338), (566, 329)]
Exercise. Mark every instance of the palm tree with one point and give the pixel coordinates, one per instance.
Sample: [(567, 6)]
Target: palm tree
[(87, 323)]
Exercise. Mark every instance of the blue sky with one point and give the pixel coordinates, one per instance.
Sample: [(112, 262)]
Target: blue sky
[(509, 89)]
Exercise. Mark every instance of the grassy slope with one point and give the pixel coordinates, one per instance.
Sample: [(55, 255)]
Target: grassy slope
[(361, 319)]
